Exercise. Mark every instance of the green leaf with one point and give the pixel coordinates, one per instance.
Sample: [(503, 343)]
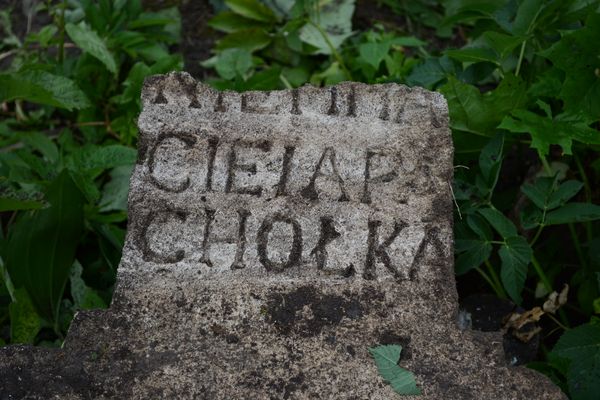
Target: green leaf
[(581, 346), (515, 255), (268, 79), (42, 87), (233, 62), (330, 23), (24, 321), (578, 56), (539, 192), (104, 157), (114, 194), (249, 39), (546, 131), (472, 111), (84, 298), (490, 161), (252, 9), (89, 41), (573, 212), (230, 22), (11, 204), (503, 225), (373, 53), (41, 246), (564, 193), (42, 143), (473, 55), (475, 254), (502, 44), (431, 72), (386, 358)]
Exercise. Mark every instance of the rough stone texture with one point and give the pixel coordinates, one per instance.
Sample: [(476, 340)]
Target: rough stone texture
[(274, 237)]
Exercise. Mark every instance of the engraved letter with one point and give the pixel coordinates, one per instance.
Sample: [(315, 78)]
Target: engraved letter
[(238, 262), (285, 170), (310, 191), (387, 177), (262, 240), (189, 141), (376, 250), (233, 166), (210, 216), (328, 234), (144, 245)]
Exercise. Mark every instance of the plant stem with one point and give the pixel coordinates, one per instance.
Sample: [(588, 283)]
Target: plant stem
[(488, 280), (521, 55), (541, 274), (588, 192), (335, 53), (577, 245), (557, 322), (498, 285)]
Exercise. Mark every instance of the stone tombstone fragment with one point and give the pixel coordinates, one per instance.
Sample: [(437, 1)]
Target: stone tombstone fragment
[(273, 238)]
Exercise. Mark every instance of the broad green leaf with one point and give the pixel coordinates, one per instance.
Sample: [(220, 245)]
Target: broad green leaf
[(503, 225), (24, 321), (490, 161), (546, 131), (252, 9), (233, 62), (114, 193), (84, 297), (479, 226), (473, 55), (89, 41), (12, 204), (386, 358), (325, 42), (431, 72), (373, 53), (578, 56), (330, 24), (526, 16), (249, 39), (476, 251), (573, 212), (42, 143), (472, 111), (105, 157), (41, 246), (230, 22), (539, 192), (407, 41), (515, 255), (502, 44), (268, 79), (42, 87), (581, 346), (564, 193)]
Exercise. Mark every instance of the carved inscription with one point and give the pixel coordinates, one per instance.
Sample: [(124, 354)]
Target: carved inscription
[(282, 208)]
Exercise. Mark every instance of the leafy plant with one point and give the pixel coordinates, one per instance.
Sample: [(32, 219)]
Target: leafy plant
[(70, 97), (386, 358)]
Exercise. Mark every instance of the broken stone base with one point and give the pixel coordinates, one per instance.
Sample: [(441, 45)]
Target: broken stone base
[(284, 342)]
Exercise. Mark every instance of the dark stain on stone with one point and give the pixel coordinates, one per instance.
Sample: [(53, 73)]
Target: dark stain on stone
[(232, 339), (284, 310), (350, 350), (294, 384)]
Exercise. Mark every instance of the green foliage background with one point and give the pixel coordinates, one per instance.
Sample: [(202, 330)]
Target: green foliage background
[(522, 80)]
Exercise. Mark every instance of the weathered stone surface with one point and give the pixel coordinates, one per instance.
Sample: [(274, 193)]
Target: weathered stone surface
[(273, 238)]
